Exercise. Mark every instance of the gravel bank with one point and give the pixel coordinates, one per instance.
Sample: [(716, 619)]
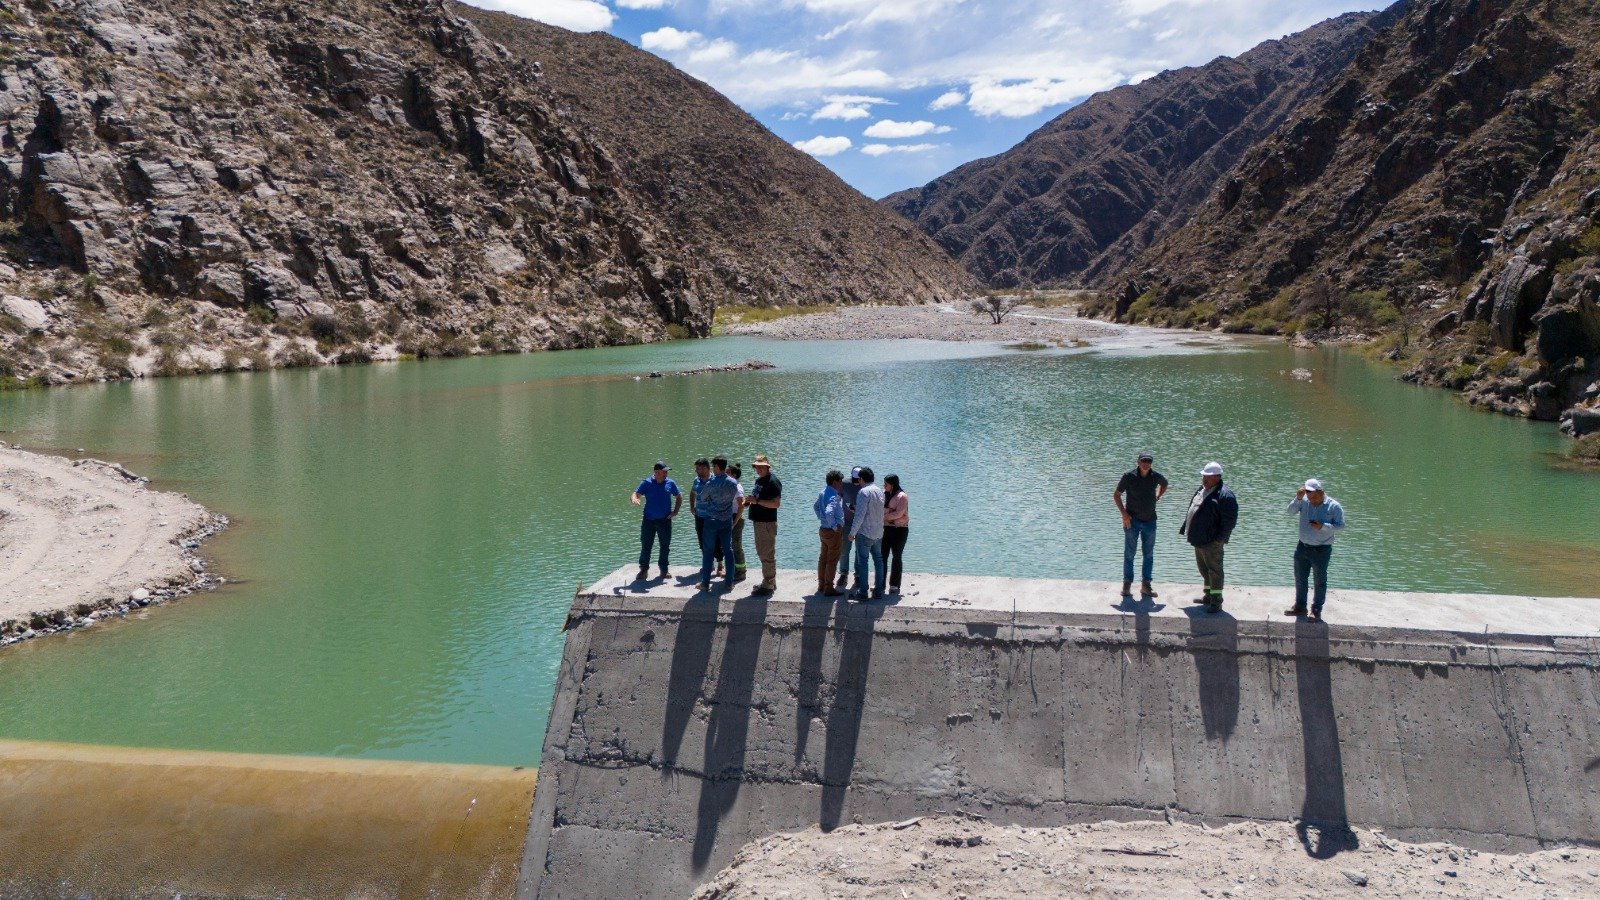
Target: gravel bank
[(1050, 325), (952, 857), (83, 539)]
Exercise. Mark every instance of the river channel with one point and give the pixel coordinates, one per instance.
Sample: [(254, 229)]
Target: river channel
[(407, 536)]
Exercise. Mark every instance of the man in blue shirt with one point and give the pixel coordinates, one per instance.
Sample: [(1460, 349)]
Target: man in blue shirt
[(830, 528), (1321, 520), (716, 503), (661, 499)]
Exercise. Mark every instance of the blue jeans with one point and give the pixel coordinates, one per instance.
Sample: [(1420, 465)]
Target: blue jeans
[(870, 548), (718, 537), (844, 558), (649, 530), (1132, 536), (1308, 559)]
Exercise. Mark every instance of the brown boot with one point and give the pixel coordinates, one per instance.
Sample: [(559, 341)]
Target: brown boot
[(1147, 589), (1127, 589)]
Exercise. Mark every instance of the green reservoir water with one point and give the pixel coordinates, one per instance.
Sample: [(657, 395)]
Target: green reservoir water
[(407, 537)]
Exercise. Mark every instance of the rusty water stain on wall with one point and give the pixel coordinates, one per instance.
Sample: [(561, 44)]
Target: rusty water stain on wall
[(107, 821)]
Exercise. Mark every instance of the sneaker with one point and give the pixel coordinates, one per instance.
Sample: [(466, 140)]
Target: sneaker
[(894, 589), (843, 582), (830, 592), (1314, 617), (1127, 589), (704, 587), (1147, 590), (1295, 611), (762, 590), (644, 574)]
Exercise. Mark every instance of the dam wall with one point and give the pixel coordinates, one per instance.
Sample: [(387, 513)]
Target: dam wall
[(686, 725)]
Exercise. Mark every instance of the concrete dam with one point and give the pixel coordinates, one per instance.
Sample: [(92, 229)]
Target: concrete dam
[(686, 725)]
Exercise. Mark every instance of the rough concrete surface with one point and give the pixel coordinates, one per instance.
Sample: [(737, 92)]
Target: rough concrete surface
[(91, 822), (951, 857), (686, 725)]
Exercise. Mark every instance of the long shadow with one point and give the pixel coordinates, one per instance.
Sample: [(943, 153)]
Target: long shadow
[(729, 728), (691, 653), (1214, 643), (1141, 609), (857, 622), (1324, 827), (813, 637)]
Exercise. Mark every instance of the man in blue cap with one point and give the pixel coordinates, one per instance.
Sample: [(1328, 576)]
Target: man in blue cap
[(662, 500), (1321, 520)]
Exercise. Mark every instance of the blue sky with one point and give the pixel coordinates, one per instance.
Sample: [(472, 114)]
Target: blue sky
[(893, 93)]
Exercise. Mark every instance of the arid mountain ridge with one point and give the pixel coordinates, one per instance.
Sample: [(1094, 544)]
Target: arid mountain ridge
[(1088, 191), (1439, 188), (227, 184)]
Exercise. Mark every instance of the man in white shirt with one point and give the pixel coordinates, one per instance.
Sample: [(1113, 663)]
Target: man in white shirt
[(867, 534)]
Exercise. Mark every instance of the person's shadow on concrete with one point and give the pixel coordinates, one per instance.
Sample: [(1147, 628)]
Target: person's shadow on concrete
[(728, 730), (814, 627), (1141, 609), (691, 654), (856, 622), (1214, 643), (1324, 827)]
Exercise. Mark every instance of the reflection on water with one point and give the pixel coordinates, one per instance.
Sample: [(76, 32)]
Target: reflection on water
[(411, 534)]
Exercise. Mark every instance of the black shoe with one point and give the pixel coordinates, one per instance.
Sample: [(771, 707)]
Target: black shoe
[(663, 575), (704, 587), (1314, 617), (761, 591), (1127, 589), (644, 574), (1295, 611)]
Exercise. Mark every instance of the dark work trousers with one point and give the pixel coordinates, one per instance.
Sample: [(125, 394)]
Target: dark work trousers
[(1209, 558), (894, 547), (649, 531), (1311, 559), (828, 559)]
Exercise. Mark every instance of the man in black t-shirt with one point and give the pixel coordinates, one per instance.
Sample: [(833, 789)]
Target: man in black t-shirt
[(1142, 487), (762, 505)]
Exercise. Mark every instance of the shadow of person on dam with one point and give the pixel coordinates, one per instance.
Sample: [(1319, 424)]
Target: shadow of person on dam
[(1324, 827), (856, 623), (1214, 643), (691, 654), (728, 730), (1141, 609), (813, 637)]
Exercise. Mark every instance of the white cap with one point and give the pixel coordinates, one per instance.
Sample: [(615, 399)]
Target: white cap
[(1212, 468), (1313, 485)]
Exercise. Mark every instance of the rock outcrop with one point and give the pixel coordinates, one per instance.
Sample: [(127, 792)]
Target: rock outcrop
[(1445, 186), (225, 184), (1094, 187)]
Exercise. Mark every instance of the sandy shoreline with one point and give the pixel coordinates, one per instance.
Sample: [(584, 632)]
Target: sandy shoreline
[(944, 858), (1044, 325), (82, 540)]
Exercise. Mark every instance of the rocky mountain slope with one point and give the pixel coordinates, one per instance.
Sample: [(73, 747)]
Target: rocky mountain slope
[(1445, 189), (1091, 189), (771, 221), (221, 184)]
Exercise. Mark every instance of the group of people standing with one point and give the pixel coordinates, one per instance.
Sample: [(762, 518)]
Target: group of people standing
[(1208, 524), (876, 522)]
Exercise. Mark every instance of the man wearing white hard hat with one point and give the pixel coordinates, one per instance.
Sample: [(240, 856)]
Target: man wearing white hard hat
[(1213, 513), (1321, 520)]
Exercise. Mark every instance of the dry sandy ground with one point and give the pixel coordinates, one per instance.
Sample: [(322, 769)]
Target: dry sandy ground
[(79, 538), (945, 322), (946, 858)]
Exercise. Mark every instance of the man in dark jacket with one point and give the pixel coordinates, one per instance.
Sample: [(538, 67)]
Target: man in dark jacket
[(1213, 512)]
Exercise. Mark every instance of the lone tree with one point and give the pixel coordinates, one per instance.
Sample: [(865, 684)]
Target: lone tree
[(1321, 300), (996, 306)]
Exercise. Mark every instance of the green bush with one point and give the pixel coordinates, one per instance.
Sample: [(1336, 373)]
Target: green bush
[(1461, 375)]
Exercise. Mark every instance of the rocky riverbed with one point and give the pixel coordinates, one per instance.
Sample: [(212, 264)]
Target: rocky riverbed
[(1044, 326), (956, 857), (82, 540)]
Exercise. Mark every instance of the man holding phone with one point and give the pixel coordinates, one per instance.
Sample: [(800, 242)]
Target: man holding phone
[(1321, 520)]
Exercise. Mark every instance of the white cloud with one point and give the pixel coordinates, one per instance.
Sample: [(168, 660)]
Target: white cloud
[(669, 39), (881, 149), (578, 15), (824, 146), (847, 107), (889, 128), (643, 4), (947, 100)]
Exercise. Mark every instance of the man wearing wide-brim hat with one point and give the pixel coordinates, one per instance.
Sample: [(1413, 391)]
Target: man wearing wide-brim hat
[(1321, 520), (762, 505), (1213, 513)]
